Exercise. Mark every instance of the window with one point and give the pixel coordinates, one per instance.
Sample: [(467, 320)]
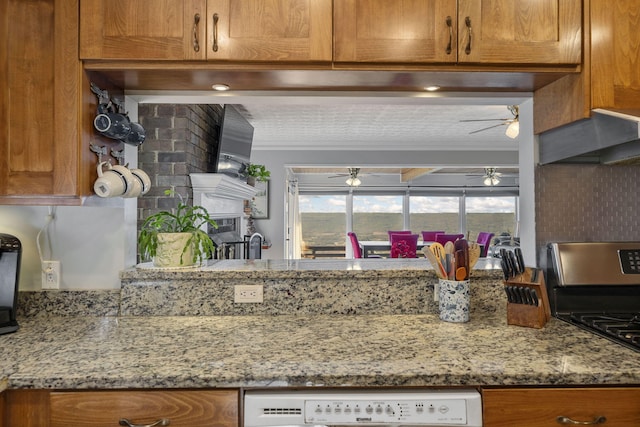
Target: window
[(434, 213), (493, 214), (374, 215), (322, 224)]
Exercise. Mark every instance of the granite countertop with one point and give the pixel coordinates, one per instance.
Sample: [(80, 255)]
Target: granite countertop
[(349, 323), (317, 350)]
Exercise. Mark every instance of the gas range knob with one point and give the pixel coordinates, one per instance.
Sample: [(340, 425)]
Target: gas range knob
[(389, 410), (369, 410)]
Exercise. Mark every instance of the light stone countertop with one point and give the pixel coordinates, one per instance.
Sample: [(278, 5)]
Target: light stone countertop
[(339, 350), (357, 323)]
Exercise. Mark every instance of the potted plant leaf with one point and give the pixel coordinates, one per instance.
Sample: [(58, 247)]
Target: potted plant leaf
[(176, 239), (256, 172)]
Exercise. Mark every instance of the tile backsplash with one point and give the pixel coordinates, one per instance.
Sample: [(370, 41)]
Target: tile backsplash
[(578, 202)]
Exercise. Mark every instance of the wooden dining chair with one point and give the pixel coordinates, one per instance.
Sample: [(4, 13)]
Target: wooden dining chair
[(404, 245)]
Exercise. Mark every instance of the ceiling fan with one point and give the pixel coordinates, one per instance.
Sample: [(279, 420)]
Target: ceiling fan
[(352, 180), (513, 124), (491, 176)]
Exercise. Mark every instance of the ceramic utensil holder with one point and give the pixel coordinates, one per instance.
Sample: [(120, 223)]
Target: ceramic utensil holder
[(454, 300)]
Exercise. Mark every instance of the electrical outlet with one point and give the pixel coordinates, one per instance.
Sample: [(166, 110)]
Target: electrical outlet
[(247, 293), (50, 274)]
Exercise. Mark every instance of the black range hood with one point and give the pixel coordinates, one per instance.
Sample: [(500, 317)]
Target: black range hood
[(605, 138)]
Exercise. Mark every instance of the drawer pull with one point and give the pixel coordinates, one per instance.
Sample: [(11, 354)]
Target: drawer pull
[(196, 42), (566, 420), (161, 422), (450, 25), (215, 32)]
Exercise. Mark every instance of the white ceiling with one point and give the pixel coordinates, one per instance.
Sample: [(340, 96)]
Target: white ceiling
[(372, 121)]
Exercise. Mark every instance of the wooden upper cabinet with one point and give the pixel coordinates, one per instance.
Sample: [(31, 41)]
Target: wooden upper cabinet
[(269, 30), (388, 31), (520, 32), (39, 103), (141, 29), (478, 31), (238, 30)]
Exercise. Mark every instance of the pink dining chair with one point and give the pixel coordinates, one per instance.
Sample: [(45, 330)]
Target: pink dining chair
[(404, 245), (355, 245), (444, 238), (484, 239), (390, 232), (430, 236)]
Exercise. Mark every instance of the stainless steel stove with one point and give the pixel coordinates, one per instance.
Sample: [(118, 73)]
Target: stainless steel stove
[(596, 286)]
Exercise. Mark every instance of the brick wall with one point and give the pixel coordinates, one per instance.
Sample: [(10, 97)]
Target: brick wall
[(181, 139), (587, 203)]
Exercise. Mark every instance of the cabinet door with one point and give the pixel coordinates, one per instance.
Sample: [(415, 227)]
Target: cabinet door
[(206, 408), (142, 29), (400, 31), (542, 407), (39, 101), (520, 32), (269, 30)]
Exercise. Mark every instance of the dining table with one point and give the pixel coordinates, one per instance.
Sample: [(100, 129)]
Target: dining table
[(370, 246)]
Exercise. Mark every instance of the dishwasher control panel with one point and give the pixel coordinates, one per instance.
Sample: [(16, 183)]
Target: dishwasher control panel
[(429, 407)]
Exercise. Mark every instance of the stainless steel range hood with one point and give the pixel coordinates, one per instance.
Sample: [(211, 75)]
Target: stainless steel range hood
[(607, 138)]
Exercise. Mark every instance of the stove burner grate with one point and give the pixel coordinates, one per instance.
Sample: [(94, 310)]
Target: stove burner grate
[(623, 328)]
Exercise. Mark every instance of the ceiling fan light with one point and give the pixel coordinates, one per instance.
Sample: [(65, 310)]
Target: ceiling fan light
[(513, 130), (353, 181), (487, 181)]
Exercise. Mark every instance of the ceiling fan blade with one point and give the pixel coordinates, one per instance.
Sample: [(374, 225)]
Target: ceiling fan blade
[(487, 128)]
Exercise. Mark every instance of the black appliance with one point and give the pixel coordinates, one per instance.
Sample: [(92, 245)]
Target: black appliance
[(235, 141), (10, 257), (596, 286)]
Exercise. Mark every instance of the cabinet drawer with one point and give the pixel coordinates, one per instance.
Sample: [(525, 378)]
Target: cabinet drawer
[(542, 407), (182, 408)]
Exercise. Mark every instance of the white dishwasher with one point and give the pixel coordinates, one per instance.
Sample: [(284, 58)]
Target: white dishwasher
[(384, 407)]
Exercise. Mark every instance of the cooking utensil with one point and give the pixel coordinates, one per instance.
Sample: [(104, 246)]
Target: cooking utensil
[(474, 254), (449, 248), (438, 250), (534, 296), (513, 263), (460, 267), (435, 263), (462, 246)]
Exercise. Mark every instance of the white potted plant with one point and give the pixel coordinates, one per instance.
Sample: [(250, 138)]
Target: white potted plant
[(176, 238)]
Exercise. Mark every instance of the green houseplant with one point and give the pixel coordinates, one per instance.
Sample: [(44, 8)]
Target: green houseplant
[(257, 173), (176, 239)]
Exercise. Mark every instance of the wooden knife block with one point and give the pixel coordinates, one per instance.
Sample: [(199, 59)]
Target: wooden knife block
[(529, 316)]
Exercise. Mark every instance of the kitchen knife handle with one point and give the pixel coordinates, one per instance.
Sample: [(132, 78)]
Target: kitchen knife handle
[(215, 32), (568, 421), (520, 259)]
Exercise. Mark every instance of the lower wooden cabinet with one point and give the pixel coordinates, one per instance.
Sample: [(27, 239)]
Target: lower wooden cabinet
[(105, 408), (544, 407), (181, 408)]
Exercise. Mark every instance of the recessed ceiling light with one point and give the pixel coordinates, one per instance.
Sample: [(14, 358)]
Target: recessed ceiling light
[(220, 86), (431, 88)]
